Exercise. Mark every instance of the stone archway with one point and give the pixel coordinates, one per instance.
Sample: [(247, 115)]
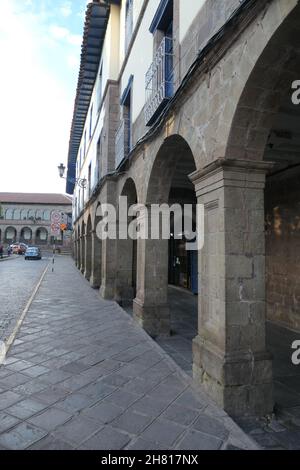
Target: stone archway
[(126, 250), (231, 358), (41, 236), (26, 235), (10, 235), (168, 183)]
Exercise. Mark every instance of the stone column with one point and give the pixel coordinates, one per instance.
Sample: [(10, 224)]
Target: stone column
[(82, 253), (18, 233), (77, 251), (108, 269), (88, 256), (150, 307), (229, 354), (95, 279)]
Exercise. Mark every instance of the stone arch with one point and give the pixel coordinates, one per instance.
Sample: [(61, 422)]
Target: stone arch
[(126, 271), (175, 152), (265, 62), (26, 235), (272, 68), (10, 234), (168, 184), (41, 236)]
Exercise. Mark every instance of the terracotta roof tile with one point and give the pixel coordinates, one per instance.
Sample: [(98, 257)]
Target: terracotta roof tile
[(35, 198)]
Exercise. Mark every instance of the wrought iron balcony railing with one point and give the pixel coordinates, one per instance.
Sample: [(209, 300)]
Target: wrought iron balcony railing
[(159, 80), (122, 143)]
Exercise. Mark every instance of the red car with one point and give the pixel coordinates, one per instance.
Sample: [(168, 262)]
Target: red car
[(18, 248)]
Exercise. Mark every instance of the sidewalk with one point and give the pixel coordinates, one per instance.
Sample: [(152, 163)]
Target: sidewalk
[(82, 375)]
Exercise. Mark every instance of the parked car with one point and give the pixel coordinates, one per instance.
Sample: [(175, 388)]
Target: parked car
[(33, 252), (18, 248)]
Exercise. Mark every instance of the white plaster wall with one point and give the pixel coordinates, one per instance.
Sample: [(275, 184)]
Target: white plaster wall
[(188, 9), (140, 58)]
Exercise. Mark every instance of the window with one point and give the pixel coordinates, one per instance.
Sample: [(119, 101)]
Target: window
[(17, 214), (9, 214), (100, 84), (84, 144), (38, 215), (98, 168), (160, 76), (46, 215), (79, 162), (126, 112), (90, 180), (76, 207), (123, 141), (24, 214), (128, 23), (91, 121)]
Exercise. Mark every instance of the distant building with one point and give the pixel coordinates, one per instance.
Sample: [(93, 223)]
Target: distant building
[(26, 218)]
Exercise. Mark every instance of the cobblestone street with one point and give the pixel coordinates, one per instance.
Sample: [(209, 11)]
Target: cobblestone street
[(18, 279), (82, 375)]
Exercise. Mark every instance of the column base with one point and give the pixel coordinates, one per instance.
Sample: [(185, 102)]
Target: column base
[(107, 291), (87, 275), (241, 382), (124, 296), (155, 319), (95, 282)]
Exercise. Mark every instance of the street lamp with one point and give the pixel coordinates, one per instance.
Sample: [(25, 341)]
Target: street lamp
[(81, 182)]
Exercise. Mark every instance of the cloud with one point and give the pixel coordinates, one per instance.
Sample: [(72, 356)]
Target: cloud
[(66, 9), (61, 33), (73, 62), (37, 97)]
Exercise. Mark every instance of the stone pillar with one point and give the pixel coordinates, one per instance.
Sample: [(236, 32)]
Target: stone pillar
[(150, 307), (108, 269), (88, 256), (77, 251), (82, 253), (96, 262), (18, 234), (229, 354), (124, 289)]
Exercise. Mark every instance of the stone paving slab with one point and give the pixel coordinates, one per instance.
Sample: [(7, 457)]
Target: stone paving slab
[(83, 375), (14, 273)]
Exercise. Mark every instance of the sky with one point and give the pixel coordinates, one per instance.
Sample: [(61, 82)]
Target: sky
[(40, 45)]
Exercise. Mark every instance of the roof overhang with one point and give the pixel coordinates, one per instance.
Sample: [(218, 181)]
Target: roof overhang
[(97, 15)]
